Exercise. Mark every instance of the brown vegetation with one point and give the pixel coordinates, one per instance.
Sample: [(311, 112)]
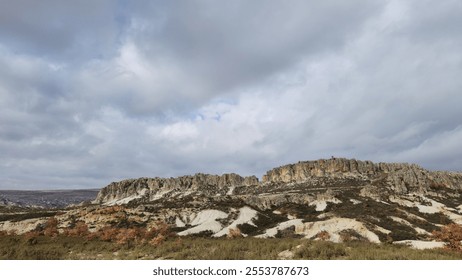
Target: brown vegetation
[(80, 229), (323, 235), (134, 235), (452, 235), (51, 227)]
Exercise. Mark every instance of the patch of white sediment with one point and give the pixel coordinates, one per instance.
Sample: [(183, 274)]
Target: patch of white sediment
[(407, 223), (21, 227), (246, 215), (456, 218), (431, 207), (206, 220), (127, 199), (321, 204), (382, 230), (412, 216), (355, 201), (333, 227), (402, 202), (179, 222), (420, 244), (271, 232)]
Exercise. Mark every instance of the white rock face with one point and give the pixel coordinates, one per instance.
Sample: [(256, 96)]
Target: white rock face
[(179, 222), (206, 220), (246, 215)]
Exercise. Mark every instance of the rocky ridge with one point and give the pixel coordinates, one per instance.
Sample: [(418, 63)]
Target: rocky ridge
[(395, 178), (156, 188)]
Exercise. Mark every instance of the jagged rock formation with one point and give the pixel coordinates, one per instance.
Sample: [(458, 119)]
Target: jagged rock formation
[(400, 177), (156, 188), (389, 178)]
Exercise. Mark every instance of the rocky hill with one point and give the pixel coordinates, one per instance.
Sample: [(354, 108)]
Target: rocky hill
[(303, 177), (337, 199)]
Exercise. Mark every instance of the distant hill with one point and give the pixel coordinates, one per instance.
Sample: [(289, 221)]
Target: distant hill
[(46, 199)]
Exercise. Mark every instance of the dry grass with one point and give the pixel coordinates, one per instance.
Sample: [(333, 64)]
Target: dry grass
[(74, 247)]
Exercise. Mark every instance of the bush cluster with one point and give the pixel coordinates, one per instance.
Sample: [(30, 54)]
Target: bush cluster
[(451, 234), (123, 236), (134, 235)]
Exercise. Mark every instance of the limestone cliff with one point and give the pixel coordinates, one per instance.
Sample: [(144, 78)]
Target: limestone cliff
[(156, 188), (400, 177), (395, 178)]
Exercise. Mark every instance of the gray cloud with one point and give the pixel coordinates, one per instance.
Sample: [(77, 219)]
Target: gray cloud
[(96, 92), (217, 48), (62, 31)]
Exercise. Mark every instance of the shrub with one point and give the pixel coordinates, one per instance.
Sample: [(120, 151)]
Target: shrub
[(108, 234), (31, 237), (451, 234), (131, 236), (80, 229), (126, 236), (157, 240), (323, 235), (160, 228), (51, 227)]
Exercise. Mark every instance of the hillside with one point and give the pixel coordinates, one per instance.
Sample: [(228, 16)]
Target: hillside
[(334, 199)]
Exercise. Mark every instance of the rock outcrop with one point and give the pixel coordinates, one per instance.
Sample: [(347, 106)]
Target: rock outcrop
[(156, 188), (400, 177), (396, 178)]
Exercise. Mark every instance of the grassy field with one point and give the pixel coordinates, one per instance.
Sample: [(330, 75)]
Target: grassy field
[(62, 247)]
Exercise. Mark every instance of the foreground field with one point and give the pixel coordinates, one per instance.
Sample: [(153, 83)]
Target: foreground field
[(61, 247)]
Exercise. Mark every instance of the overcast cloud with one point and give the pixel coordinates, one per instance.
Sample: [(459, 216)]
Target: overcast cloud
[(98, 91)]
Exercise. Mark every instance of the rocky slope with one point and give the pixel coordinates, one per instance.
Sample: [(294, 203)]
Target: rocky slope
[(336, 199)]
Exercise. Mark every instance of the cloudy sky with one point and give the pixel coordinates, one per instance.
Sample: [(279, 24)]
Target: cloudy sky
[(97, 91)]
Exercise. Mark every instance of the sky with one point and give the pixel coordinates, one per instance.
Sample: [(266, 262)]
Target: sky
[(98, 91)]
